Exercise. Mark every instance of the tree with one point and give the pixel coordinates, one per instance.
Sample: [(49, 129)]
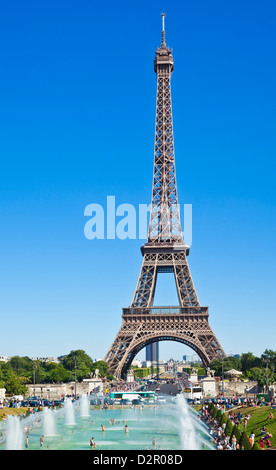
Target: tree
[(102, 368), (248, 361), (227, 363), (219, 416), (228, 427), (271, 357), (84, 364), (16, 386), (211, 406), (38, 372), (56, 373), (261, 375), (215, 412), (110, 377), (235, 432), (223, 419), (244, 442)]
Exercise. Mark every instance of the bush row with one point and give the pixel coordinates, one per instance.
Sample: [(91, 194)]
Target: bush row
[(231, 429)]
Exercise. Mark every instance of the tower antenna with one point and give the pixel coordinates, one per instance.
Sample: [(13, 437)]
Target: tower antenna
[(163, 29)]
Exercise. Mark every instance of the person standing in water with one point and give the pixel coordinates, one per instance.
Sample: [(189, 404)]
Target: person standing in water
[(92, 443)]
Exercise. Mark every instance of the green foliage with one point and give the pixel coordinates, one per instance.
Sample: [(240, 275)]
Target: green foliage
[(80, 361), (256, 446), (244, 442), (110, 377), (235, 432), (21, 365), (56, 373), (248, 361), (262, 375), (228, 427), (269, 356), (187, 370), (227, 363), (16, 385), (18, 371), (102, 368), (219, 416), (211, 407), (223, 419), (262, 369), (142, 372), (215, 412)]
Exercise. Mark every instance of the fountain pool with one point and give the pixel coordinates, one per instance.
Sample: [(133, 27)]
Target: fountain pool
[(172, 426)]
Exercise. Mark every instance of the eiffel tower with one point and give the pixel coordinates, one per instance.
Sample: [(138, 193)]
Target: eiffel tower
[(164, 251)]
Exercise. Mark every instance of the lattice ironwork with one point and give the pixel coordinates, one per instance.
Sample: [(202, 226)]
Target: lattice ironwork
[(165, 251), (164, 226), (140, 329)]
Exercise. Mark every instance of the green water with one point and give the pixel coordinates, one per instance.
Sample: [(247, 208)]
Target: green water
[(161, 423), (143, 426)]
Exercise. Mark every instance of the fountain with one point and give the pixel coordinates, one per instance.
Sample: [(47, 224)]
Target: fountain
[(84, 405), (193, 434), (69, 412), (14, 439), (48, 422), (170, 426), (188, 436)]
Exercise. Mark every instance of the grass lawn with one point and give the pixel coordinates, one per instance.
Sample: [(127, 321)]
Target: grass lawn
[(11, 411), (258, 419)]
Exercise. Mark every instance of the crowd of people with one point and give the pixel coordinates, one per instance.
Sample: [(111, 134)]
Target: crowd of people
[(222, 441)]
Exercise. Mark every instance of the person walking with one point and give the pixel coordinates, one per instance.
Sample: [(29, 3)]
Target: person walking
[(92, 443)]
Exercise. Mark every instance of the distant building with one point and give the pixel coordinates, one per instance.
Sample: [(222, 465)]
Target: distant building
[(45, 359), (191, 358), (186, 358), (4, 358), (136, 363)]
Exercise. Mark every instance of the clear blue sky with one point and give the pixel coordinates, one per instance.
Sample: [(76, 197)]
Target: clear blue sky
[(77, 116)]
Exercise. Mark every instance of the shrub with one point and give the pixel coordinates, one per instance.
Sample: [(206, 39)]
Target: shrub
[(244, 441), (211, 407), (215, 412), (219, 417), (229, 427), (235, 432), (223, 419)]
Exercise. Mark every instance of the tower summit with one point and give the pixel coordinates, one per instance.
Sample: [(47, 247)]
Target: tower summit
[(164, 226), (163, 51), (165, 251)]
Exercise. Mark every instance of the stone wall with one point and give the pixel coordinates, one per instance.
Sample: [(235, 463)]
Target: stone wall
[(56, 391), (212, 387), (241, 388)]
